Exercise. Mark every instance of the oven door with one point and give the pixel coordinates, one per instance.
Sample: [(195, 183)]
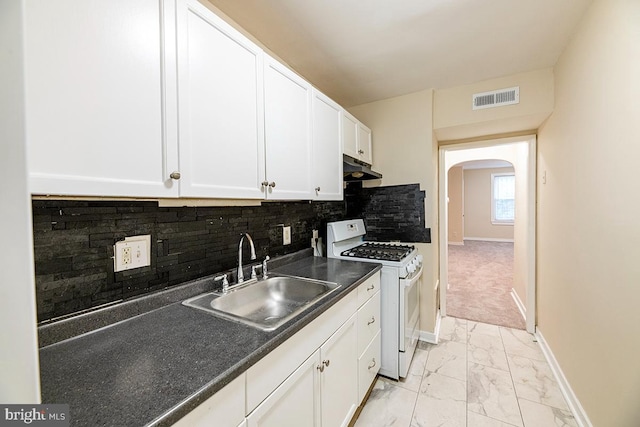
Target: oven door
[(409, 313)]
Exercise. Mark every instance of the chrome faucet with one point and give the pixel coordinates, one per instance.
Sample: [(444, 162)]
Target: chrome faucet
[(253, 255)]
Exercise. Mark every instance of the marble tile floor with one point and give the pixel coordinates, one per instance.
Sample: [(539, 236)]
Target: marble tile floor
[(479, 375)]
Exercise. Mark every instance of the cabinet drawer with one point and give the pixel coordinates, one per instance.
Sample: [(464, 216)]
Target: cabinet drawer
[(368, 367), (368, 322), (368, 288)]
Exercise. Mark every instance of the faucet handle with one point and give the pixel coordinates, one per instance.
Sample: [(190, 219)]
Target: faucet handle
[(254, 275), (223, 277), (264, 267), (225, 282)]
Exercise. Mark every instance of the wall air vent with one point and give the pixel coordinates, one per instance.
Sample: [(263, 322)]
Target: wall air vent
[(496, 98)]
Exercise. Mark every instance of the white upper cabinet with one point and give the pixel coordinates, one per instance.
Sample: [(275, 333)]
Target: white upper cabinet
[(349, 135), (327, 148), (162, 98), (287, 111), (100, 102), (364, 144), (356, 139), (221, 108)]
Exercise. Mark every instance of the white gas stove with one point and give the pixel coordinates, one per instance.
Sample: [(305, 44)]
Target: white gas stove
[(399, 286)]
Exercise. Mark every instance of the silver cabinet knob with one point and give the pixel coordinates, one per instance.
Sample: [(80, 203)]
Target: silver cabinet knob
[(317, 189), (373, 319), (361, 151), (320, 368), (372, 287), (272, 184), (373, 363), (175, 175), (326, 362), (265, 183)]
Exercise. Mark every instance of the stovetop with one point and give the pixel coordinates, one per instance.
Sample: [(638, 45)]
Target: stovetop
[(379, 251)]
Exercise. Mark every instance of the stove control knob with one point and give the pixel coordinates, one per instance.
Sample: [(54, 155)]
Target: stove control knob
[(411, 268), (419, 258)]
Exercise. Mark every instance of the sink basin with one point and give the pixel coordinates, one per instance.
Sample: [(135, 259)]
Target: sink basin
[(265, 304)]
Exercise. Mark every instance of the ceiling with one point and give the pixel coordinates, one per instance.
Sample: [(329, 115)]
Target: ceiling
[(361, 51)]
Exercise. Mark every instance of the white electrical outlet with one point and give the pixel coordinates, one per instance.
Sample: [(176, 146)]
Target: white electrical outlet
[(132, 252), (126, 255), (286, 235)]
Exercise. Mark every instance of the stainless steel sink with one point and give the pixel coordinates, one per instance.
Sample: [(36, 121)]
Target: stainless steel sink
[(265, 304)]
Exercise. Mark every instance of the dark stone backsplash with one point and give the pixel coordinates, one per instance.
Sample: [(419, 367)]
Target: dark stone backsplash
[(73, 240), (390, 213), (73, 245)]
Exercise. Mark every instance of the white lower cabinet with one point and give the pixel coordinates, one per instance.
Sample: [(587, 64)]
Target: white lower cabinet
[(294, 402), (338, 384), (321, 392)]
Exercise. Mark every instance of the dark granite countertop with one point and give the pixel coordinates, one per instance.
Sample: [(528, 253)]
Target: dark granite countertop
[(154, 368)]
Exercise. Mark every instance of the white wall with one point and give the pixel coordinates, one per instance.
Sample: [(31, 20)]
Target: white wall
[(404, 152), (588, 230), (455, 119), (455, 205), (477, 206), (19, 373)]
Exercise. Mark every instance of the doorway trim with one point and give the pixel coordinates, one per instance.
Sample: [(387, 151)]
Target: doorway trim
[(530, 246)]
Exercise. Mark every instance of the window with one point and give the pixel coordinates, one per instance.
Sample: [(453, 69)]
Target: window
[(503, 190)]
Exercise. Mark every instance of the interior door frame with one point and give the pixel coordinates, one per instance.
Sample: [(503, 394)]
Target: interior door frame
[(530, 269)]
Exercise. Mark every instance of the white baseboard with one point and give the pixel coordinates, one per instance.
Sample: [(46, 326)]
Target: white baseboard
[(489, 239), (519, 303), (432, 337), (572, 400), (456, 243)]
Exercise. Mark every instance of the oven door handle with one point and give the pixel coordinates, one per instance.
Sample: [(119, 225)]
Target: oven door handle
[(409, 281)]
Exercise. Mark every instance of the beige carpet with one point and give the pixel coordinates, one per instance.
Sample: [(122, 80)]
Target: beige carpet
[(480, 282)]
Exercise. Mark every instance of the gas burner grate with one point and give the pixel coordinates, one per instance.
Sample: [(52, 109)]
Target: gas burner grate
[(379, 251)]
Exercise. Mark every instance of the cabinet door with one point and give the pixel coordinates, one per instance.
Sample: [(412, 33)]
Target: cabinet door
[(100, 98), (339, 378), (221, 107), (327, 148), (287, 133), (294, 403), (364, 144), (350, 135)]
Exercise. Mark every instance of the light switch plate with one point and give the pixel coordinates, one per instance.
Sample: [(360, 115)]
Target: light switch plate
[(132, 252), (286, 235)]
